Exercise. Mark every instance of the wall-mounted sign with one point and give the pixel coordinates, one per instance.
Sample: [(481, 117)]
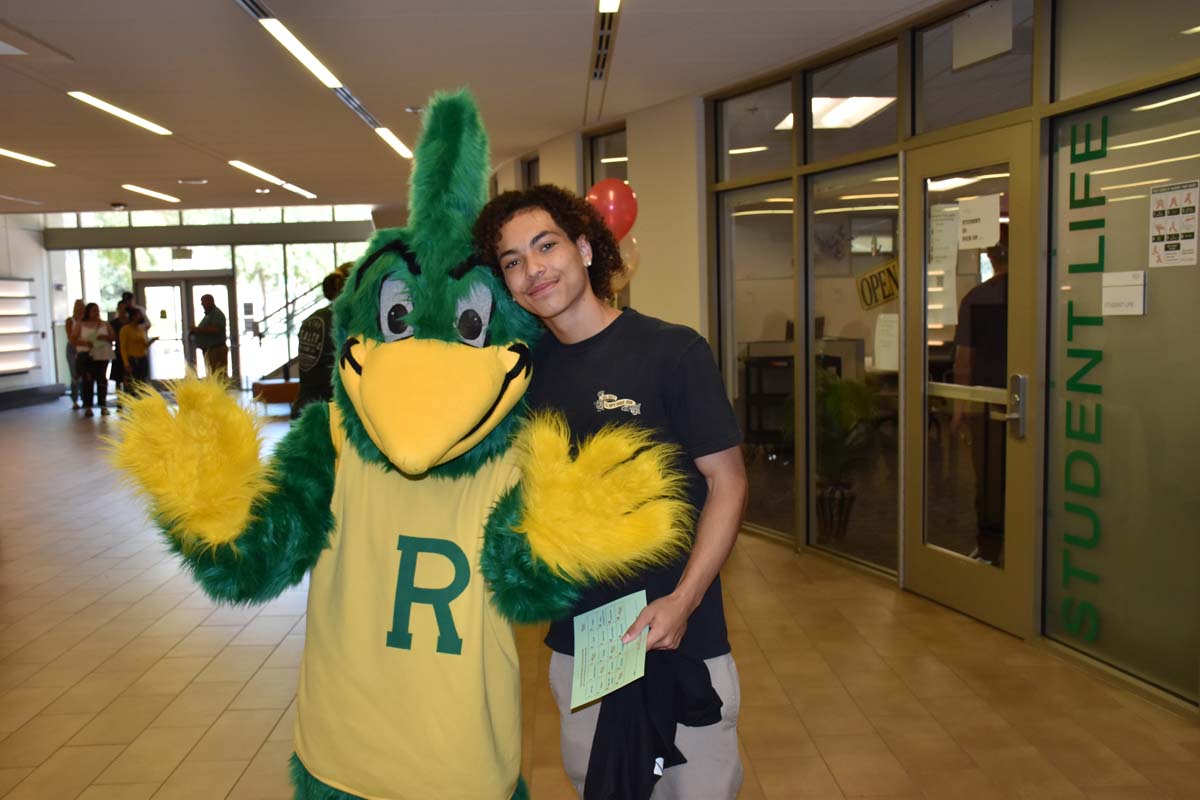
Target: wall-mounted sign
[(1123, 294), (879, 286), (1173, 225)]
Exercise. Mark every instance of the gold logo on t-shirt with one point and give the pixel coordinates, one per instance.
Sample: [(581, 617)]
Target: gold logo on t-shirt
[(608, 402)]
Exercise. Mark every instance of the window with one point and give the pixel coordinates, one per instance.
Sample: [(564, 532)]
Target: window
[(149, 219), (104, 219), (107, 275), (1101, 42), (609, 157), (853, 219), (207, 216), (852, 104), (259, 274), (352, 213), (207, 257), (974, 65), (308, 213), (755, 133), (531, 172), (64, 220), (242, 216), (349, 251), (1122, 557), (756, 254)]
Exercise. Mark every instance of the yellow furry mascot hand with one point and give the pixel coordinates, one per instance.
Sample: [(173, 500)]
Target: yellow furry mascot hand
[(246, 530), (614, 508), (200, 465)]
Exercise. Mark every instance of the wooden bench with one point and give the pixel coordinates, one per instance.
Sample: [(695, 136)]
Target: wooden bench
[(275, 390)]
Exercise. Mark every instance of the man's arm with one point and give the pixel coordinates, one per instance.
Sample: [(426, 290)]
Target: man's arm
[(716, 531)]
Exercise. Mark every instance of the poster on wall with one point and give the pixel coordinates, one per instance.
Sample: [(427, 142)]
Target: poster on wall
[(980, 221), (1173, 225), (941, 272)]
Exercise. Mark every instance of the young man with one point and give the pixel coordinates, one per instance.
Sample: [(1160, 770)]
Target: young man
[(599, 365)]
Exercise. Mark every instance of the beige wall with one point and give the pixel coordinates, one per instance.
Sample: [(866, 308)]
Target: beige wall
[(666, 170), (560, 162), (508, 175)]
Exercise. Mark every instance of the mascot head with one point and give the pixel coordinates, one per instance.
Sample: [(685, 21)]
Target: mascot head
[(433, 355)]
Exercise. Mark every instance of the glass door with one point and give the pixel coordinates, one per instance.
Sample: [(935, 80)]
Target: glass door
[(167, 315), (972, 425), (175, 306)]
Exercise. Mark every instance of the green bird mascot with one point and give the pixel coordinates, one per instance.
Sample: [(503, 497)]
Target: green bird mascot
[(425, 505)]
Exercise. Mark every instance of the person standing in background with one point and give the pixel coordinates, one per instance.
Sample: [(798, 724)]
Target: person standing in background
[(73, 321), (93, 338), (209, 336), (135, 347)]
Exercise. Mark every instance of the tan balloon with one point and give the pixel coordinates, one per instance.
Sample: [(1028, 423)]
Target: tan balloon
[(631, 259)]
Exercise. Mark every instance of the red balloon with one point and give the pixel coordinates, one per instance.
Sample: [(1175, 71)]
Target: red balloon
[(616, 203)]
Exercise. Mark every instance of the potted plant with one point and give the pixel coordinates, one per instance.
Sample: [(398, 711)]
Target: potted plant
[(847, 441)]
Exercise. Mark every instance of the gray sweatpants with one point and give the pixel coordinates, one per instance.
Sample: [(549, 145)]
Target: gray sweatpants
[(713, 770)]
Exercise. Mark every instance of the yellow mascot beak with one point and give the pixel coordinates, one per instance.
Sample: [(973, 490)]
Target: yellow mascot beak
[(424, 402)]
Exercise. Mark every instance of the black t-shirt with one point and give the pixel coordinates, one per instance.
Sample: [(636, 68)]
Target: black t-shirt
[(316, 359), (643, 371), (983, 326)]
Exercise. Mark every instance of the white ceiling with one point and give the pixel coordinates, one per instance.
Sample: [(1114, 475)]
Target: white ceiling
[(209, 72)]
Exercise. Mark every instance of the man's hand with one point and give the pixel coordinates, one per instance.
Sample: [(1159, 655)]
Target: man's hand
[(667, 618)]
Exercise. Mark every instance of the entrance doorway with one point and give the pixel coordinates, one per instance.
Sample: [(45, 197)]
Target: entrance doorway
[(173, 307), (973, 427)]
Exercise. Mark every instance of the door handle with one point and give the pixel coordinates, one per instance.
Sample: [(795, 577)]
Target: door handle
[(1014, 415)]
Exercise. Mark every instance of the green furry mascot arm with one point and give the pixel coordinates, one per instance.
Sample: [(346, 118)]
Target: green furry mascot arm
[(246, 530)]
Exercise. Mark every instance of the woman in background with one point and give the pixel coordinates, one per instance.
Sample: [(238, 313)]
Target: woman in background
[(94, 349), (72, 321)]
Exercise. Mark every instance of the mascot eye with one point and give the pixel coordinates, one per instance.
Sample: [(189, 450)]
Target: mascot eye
[(395, 304), (473, 314)]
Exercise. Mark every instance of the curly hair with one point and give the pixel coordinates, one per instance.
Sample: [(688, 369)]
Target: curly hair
[(573, 214)]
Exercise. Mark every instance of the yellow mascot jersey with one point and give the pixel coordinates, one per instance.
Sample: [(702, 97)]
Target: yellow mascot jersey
[(410, 676)]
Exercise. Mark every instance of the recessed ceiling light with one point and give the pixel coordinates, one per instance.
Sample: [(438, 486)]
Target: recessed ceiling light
[(779, 200), (846, 112), (1146, 164), (192, 181), (614, 160), (786, 123), (29, 159), (150, 193), (738, 151), (610, 6), (869, 196), (1190, 31), (256, 172), (302, 53), (294, 189), (269, 178), (395, 143), (128, 116), (262, 190), (760, 211)]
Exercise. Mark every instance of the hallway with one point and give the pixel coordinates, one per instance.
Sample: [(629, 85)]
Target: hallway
[(120, 680)]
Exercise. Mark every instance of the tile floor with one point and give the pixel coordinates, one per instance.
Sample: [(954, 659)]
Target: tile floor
[(119, 680)]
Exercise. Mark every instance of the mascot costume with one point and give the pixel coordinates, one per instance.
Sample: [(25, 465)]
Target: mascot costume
[(426, 507)]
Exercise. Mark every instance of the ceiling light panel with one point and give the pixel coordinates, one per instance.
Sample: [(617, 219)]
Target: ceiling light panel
[(395, 143), (300, 52), (41, 162), (150, 193), (117, 111)]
